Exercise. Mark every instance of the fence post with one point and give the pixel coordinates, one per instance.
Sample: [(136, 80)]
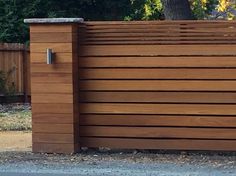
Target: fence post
[(54, 87), (25, 69)]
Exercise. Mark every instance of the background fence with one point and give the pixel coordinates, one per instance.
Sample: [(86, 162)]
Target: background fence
[(15, 63)]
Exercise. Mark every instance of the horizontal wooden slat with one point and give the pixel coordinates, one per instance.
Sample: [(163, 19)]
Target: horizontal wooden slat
[(177, 144), (151, 42), (162, 29), (52, 98), (159, 97), (158, 120), (56, 47), (57, 37), (51, 108), (42, 77), (127, 108), (158, 85), (158, 132), (157, 73), (48, 118), (55, 128), (52, 28), (51, 88), (146, 35), (150, 50), (60, 58), (52, 68), (190, 61), (53, 138)]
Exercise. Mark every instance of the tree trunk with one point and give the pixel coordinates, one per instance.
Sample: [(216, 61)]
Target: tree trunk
[(177, 10)]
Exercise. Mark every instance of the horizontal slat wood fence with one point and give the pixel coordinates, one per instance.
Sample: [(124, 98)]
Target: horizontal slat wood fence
[(15, 63), (141, 85)]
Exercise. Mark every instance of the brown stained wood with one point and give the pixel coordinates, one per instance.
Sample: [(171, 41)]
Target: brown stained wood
[(158, 85), (51, 88), (167, 144), (53, 138), (154, 73), (157, 42), (60, 58), (161, 37), (52, 98), (53, 128), (158, 120), (51, 78), (52, 28), (52, 68), (52, 108), (54, 88), (49, 118), (156, 50), (181, 109), (57, 37), (181, 34), (158, 97), (158, 132), (162, 29), (55, 148), (158, 62), (14, 60), (56, 47)]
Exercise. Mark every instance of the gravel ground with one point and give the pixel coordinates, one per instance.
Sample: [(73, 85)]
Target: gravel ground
[(121, 162), (15, 117)]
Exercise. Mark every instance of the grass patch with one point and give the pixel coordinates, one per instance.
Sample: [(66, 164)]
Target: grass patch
[(15, 118)]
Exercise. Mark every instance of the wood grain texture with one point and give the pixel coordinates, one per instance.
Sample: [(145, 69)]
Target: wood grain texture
[(52, 28), (151, 50), (158, 132), (158, 62), (140, 85), (54, 108), (53, 138), (51, 88), (157, 120), (158, 97), (60, 58), (56, 37), (167, 144), (57, 128), (154, 73), (157, 85), (52, 98), (49, 118), (181, 109)]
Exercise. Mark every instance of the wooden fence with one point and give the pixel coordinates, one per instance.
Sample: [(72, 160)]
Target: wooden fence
[(141, 85), (14, 62)]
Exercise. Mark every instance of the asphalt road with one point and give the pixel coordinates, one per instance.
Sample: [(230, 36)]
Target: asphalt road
[(113, 168)]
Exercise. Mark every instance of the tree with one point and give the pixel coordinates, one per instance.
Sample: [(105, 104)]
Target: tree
[(12, 12), (177, 10)]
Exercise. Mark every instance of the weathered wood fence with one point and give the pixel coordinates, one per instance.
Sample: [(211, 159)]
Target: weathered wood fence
[(142, 85), (14, 62)]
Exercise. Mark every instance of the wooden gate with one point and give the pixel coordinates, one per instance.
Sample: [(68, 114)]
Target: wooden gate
[(141, 85)]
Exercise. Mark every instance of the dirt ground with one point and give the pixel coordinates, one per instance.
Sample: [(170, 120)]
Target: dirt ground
[(15, 141), (16, 159)]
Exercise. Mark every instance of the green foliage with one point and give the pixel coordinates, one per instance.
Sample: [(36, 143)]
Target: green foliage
[(12, 12)]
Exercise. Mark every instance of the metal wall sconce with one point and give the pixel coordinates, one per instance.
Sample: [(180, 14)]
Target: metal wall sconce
[(49, 56)]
